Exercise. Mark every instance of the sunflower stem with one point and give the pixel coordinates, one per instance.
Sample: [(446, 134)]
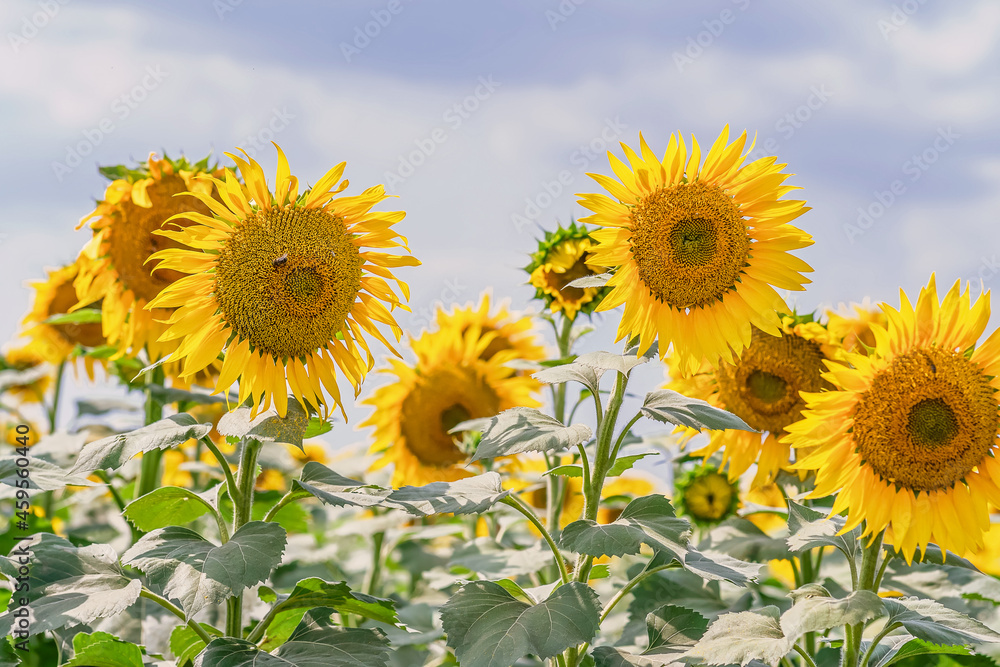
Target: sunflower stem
[(246, 476), (176, 611), (371, 586), (866, 582), (234, 489), (53, 410), (512, 500), (149, 473)]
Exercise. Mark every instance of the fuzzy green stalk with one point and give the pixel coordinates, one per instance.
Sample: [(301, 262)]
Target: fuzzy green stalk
[(149, 473), (53, 409), (866, 582), (246, 476), (555, 485)]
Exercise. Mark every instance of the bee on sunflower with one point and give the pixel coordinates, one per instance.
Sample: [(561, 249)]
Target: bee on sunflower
[(453, 380), (906, 439), (287, 286), (562, 257), (697, 248), (763, 388)]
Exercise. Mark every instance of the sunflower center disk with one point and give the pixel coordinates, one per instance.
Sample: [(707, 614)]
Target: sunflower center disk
[(763, 387), (709, 498), (927, 420), (442, 398), (132, 240), (558, 281), (287, 279), (690, 243), (88, 333)]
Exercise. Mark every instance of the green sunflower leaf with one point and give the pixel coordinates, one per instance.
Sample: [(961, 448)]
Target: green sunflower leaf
[(648, 520), (520, 430), (113, 452), (606, 361), (102, 406), (190, 569), (741, 637), (82, 316), (471, 495), (173, 395), (567, 471), (935, 623), (68, 585), (670, 407), (816, 613), (42, 475), (895, 648), (317, 427), (600, 280), (334, 489), (14, 378), (808, 529), (488, 627), (101, 649), (315, 641), (623, 463), (186, 644), (267, 426), (671, 631), (166, 506), (582, 373), (489, 559), (741, 539)]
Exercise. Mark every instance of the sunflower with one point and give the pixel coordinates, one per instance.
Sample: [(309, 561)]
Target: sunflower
[(562, 257), (113, 266), (29, 360), (906, 439), (504, 336), (697, 248), (854, 330), (762, 388), (450, 382), (706, 496), (285, 287)]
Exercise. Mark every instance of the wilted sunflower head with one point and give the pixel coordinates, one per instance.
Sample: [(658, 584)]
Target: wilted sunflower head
[(58, 342), (706, 496), (698, 248), (450, 383), (906, 440), (500, 336), (113, 265), (284, 285), (562, 257), (763, 388)]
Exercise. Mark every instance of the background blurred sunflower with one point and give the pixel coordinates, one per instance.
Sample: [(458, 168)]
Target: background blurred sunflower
[(906, 442), (58, 342), (450, 382), (285, 287), (114, 267), (502, 335), (697, 248), (852, 325), (706, 496), (28, 363), (762, 388), (562, 257)]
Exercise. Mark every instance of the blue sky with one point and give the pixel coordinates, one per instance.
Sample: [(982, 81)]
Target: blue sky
[(472, 112)]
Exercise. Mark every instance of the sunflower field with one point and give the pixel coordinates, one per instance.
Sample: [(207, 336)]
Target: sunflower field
[(830, 475)]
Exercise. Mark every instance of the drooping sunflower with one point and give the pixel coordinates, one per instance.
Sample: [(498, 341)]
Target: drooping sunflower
[(287, 287), (562, 257), (762, 388), (907, 439), (450, 382), (697, 248), (706, 496), (854, 329), (59, 342), (504, 336), (114, 267)]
